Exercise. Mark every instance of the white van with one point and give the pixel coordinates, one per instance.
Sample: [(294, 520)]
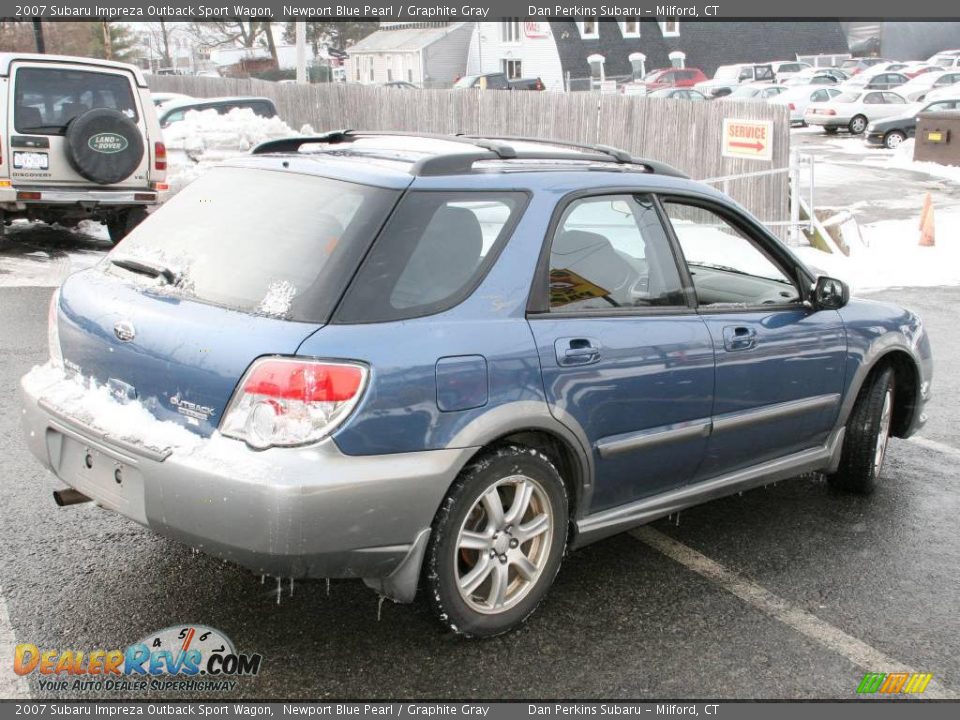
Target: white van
[(79, 139)]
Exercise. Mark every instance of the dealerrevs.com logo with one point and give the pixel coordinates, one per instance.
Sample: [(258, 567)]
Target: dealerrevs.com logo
[(182, 657)]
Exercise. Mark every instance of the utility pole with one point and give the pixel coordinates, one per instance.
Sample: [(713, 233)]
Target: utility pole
[(301, 52), (107, 43), (38, 36)]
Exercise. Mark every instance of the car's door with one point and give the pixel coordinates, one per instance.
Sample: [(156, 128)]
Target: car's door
[(626, 361), (893, 104), (779, 364)]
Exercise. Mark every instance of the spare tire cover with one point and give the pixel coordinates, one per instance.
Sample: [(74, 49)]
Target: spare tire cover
[(104, 146)]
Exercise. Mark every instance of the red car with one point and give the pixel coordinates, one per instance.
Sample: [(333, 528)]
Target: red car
[(673, 77)]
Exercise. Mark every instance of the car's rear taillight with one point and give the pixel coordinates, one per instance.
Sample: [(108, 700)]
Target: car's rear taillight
[(792, 107), (288, 401), (829, 112), (159, 156), (53, 331)]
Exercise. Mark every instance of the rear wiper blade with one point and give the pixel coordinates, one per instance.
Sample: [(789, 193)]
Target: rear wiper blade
[(145, 267)]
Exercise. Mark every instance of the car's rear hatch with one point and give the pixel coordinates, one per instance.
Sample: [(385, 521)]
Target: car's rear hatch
[(243, 263)]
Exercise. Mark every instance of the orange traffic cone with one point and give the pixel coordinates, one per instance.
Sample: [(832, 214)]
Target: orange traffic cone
[(927, 223)]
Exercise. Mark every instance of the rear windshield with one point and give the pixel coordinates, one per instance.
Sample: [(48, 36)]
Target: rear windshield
[(431, 255), (259, 241), (46, 99)]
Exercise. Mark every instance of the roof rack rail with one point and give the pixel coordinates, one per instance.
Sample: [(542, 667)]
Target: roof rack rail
[(487, 148), (620, 156)]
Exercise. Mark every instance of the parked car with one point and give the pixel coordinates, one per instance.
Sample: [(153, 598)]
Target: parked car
[(853, 110), (854, 66), (642, 345), (919, 87), (797, 99), (756, 92), (79, 140), (677, 94), (176, 111), (942, 93), (875, 81), (496, 81), (400, 85), (815, 79), (786, 69), (728, 77), (891, 132), (947, 59), (673, 77), (915, 69), (161, 98)]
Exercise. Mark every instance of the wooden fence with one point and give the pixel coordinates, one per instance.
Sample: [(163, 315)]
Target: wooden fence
[(680, 132)]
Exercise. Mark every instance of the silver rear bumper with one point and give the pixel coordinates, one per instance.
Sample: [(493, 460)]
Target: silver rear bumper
[(297, 512)]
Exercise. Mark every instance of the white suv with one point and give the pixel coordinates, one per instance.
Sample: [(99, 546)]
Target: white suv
[(79, 139)]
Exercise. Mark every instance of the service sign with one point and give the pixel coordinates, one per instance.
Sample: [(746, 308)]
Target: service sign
[(752, 139)]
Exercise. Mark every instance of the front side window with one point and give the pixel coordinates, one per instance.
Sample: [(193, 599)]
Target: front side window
[(893, 99), (46, 99), (431, 254), (727, 267), (611, 253)]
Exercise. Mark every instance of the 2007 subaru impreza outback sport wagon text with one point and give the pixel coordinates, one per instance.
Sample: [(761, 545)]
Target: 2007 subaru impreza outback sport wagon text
[(443, 361)]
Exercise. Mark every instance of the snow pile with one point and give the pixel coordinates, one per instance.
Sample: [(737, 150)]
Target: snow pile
[(276, 303), (892, 257), (96, 408), (903, 158), (206, 137)]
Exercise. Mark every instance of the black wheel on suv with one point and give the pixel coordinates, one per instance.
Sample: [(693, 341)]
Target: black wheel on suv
[(122, 222), (865, 441), (497, 542)]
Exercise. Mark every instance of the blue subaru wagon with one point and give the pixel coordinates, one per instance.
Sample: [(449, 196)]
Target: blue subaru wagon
[(444, 361)]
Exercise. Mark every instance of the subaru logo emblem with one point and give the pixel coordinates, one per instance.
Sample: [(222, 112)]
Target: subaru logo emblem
[(124, 331)]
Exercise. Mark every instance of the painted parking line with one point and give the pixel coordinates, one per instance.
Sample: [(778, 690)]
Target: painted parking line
[(856, 651), (12, 686), (934, 445)]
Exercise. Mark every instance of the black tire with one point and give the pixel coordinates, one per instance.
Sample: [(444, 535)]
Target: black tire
[(830, 130), (858, 121), (103, 146), (448, 562), (862, 457), (121, 223), (892, 139)]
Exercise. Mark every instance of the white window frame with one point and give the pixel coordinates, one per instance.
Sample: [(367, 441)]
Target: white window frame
[(635, 33), (505, 65), (582, 27), (511, 32), (674, 32)]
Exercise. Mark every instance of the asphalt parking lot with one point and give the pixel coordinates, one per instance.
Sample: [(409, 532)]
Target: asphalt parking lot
[(789, 591)]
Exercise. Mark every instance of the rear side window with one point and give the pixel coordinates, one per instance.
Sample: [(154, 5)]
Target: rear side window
[(431, 255), (611, 252), (46, 99), (260, 241)]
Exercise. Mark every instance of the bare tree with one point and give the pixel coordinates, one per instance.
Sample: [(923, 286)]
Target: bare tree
[(226, 33), (38, 36), (271, 44)]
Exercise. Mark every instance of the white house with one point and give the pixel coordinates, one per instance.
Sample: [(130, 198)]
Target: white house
[(519, 48), (426, 54)]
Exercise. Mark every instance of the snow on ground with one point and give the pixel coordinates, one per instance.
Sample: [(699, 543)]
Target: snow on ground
[(903, 158), (38, 255), (205, 138), (891, 255)]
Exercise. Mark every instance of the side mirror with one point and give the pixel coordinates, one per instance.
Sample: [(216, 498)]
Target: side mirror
[(830, 293)]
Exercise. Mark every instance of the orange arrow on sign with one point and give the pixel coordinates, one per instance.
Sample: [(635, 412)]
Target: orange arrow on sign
[(756, 145)]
